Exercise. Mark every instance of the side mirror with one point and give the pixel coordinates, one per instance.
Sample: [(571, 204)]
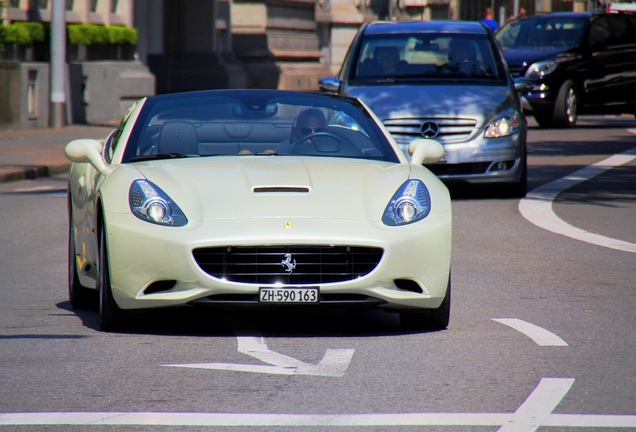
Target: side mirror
[(425, 150), (523, 85), (86, 151), (329, 85)]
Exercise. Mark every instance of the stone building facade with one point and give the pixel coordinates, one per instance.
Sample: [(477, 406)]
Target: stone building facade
[(213, 44)]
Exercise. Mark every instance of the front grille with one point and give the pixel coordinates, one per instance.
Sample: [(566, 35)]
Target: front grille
[(450, 129), (459, 169), (265, 264)]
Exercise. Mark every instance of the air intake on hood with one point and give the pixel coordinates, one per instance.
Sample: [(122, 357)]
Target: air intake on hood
[(279, 189)]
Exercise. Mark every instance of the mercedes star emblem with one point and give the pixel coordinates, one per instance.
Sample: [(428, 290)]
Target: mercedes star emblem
[(429, 129)]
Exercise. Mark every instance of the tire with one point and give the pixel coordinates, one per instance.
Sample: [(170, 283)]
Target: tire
[(566, 106), (110, 317), (433, 319), (79, 296)]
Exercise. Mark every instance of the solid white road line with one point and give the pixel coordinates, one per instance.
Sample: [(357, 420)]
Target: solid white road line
[(539, 405), (536, 207), (534, 413), (541, 336)]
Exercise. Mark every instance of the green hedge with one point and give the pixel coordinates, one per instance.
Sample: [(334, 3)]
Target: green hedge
[(121, 35), (28, 33), (92, 34), (23, 33)]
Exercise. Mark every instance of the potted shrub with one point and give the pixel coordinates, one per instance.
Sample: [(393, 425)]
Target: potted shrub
[(23, 41), (99, 42), (83, 41), (124, 40)]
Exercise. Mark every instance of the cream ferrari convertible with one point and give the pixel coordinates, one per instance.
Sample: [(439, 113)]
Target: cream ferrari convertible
[(257, 198)]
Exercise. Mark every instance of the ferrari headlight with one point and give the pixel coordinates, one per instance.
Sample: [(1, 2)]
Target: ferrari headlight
[(411, 203), (149, 203), (540, 69), (504, 126)]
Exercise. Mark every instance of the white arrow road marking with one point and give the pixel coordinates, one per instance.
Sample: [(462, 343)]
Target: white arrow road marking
[(536, 207), (334, 363), (541, 336), (534, 413)]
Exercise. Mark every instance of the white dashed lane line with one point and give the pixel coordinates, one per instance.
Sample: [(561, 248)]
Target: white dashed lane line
[(536, 207), (541, 336)]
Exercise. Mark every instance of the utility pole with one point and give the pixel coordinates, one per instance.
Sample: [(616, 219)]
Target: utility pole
[(58, 64)]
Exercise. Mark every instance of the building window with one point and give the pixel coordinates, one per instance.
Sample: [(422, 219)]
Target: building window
[(69, 5), (93, 6), (43, 4), (113, 6)]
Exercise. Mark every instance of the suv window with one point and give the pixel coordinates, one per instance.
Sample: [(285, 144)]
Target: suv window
[(624, 27), (543, 33), (600, 30)]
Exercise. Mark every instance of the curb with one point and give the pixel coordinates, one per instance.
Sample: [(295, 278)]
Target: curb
[(16, 173)]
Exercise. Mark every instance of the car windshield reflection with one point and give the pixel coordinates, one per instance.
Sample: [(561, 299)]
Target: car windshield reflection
[(255, 124), (441, 56)]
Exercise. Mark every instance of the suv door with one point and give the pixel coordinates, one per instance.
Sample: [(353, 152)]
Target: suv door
[(624, 34), (604, 82)]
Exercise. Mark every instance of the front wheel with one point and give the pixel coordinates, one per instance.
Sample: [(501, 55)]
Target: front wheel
[(434, 319), (566, 106), (111, 317)]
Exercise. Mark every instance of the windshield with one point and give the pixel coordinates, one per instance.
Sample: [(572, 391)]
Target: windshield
[(440, 56), (542, 33), (255, 123)]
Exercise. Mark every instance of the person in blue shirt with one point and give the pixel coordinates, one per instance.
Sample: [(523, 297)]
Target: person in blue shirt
[(489, 21)]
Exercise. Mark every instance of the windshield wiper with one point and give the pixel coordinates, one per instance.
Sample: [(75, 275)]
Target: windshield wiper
[(264, 153), (158, 157)]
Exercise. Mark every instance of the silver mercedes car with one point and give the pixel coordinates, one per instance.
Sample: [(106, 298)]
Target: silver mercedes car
[(445, 80)]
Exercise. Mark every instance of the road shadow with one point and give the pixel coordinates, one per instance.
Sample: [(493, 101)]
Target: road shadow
[(593, 122), (280, 322)]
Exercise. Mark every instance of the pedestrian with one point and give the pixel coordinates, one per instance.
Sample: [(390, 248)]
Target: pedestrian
[(489, 21), (522, 11)]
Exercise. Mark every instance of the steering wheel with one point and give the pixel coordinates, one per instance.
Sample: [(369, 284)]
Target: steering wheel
[(308, 138)]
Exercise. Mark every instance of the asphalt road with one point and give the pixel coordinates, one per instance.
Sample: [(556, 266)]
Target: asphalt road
[(541, 327)]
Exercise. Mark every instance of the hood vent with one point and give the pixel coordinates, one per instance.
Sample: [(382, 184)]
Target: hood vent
[(281, 189)]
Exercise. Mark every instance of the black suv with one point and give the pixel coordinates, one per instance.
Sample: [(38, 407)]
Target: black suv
[(581, 63)]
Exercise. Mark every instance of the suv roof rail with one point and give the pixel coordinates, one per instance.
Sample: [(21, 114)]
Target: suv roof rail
[(621, 7)]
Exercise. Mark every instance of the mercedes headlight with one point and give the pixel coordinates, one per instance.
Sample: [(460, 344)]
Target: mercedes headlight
[(540, 69), (503, 126), (411, 203), (149, 203)]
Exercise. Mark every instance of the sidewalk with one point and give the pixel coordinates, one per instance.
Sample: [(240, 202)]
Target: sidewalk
[(28, 154)]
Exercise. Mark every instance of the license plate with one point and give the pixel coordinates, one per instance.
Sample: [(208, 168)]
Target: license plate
[(288, 295)]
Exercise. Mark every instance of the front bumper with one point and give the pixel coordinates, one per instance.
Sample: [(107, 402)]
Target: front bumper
[(483, 160), (144, 255)]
